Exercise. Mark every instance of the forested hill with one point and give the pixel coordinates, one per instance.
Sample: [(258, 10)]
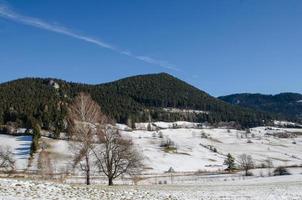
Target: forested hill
[(285, 104), (139, 98)]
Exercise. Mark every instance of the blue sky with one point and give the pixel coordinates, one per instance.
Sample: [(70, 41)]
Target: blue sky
[(219, 46)]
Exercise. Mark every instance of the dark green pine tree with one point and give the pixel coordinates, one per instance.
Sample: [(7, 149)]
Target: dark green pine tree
[(230, 162), (35, 140)]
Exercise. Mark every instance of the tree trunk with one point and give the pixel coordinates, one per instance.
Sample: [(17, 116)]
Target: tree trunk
[(110, 181), (87, 171)]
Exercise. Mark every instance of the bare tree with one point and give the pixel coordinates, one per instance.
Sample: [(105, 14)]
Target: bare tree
[(7, 161), (44, 164), (84, 115), (116, 155), (269, 165), (246, 163)]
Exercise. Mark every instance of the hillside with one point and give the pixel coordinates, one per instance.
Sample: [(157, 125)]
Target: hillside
[(200, 148), (134, 99), (284, 104)]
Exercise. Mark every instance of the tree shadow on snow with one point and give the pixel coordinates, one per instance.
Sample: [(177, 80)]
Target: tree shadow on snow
[(24, 150), (26, 138)]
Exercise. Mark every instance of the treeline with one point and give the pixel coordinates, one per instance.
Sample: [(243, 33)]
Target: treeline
[(284, 104), (30, 101)]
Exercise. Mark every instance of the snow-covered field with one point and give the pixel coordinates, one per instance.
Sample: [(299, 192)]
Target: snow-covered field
[(196, 154), (269, 188), (194, 148)]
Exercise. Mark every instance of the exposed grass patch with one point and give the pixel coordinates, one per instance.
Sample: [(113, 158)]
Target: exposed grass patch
[(170, 149)]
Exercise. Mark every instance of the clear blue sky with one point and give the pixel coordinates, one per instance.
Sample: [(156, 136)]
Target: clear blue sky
[(220, 46)]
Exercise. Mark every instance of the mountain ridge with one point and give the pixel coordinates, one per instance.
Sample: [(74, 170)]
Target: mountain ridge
[(288, 104), (128, 100)]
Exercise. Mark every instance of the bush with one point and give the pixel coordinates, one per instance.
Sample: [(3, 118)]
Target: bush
[(249, 174), (281, 171), (203, 135), (168, 145)]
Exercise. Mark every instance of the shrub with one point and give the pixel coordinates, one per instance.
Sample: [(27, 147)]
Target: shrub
[(249, 174), (203, 135), (283, 135), (168, 145), (281, 171)]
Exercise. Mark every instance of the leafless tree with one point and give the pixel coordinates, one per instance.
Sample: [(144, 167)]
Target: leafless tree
[(269, 165), (44, 164), (246, 163), (117, 155), (84, 115), (7, 161)]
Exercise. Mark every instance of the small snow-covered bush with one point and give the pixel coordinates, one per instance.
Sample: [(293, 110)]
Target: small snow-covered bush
[(203, 135), (249, 174), (283, 135), (168, 145)]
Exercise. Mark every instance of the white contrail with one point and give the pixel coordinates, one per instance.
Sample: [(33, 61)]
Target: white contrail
[(7, 13)]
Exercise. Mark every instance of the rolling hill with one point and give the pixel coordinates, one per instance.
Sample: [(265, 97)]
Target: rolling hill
[(288, 105), (134, 99)]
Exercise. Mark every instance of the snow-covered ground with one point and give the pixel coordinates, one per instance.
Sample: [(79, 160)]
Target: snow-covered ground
[(268, 188), (196, 155), (286, 123), (20, 146), (194, 149)]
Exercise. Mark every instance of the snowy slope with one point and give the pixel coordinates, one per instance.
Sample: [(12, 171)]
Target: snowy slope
[(193, 148), (190, 155)]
